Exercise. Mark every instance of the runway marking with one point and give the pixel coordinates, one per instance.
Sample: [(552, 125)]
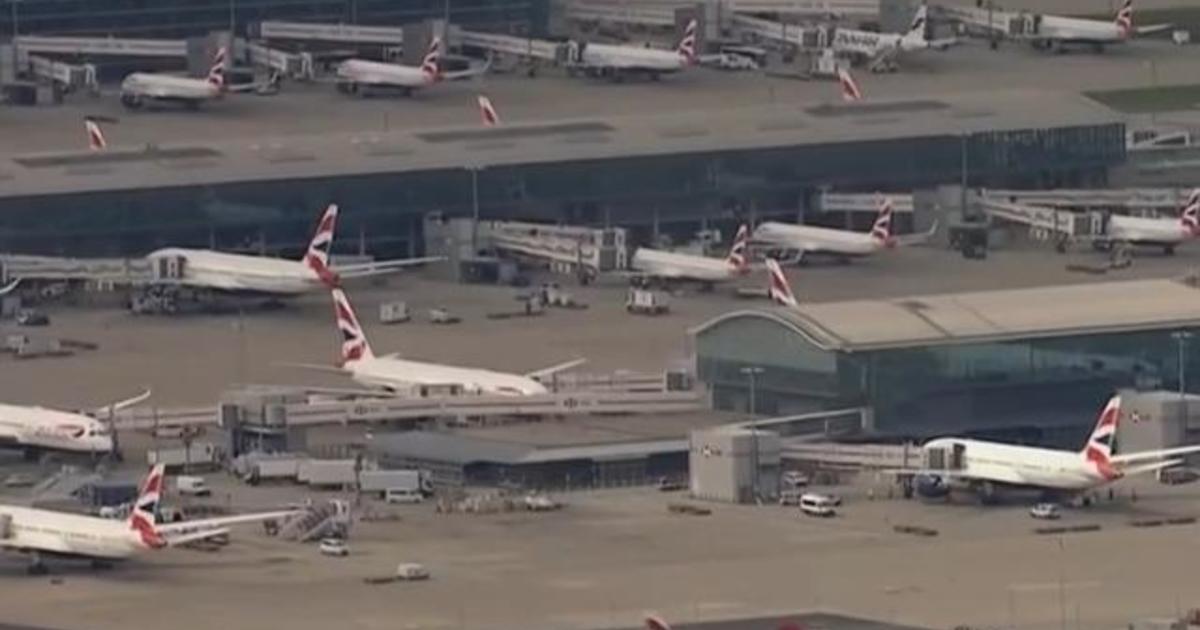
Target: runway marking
[(1053, 586), (574, 584)]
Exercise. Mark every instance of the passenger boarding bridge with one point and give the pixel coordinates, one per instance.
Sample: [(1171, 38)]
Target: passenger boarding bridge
[(1133, 201), (566, 248)]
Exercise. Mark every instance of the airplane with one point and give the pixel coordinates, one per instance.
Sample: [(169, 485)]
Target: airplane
[(1053, 32), (844, 244), (259, 275), (487, 112), (96, 141), (984, 466), (851, 93), (358, 76), (619, 61), (418, 378), (657, 264), (882, 49), (46, 533), (37, 429), (141, 87), (1156, 232), (779, 290)]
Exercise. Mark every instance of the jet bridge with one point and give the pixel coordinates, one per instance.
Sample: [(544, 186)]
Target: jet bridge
[(1132, 201), (294, 65), (567, 248), (345, 33), (69, 76), (100, 46)]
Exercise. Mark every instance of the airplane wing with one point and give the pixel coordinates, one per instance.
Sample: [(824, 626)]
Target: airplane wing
[(123, 404), (1151, 29), (191, 537), (1154, 467), (332, 369), (10, 287), (209, 527), (1131, 458), (538, 375), (917, 239), (270, 86), (474, 71), (365, 270)]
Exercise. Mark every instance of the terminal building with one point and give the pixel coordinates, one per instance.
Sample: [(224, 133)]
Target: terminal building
[(1029, 364), (650, 171)]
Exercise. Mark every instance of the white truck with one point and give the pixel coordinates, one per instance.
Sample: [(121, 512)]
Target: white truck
[(188, 485), (646, 302), (201, 455), (381, 482), (327, 473)]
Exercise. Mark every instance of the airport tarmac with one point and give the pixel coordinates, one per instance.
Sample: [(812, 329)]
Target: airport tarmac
[(190, 360), (610, 557), (310, 109)]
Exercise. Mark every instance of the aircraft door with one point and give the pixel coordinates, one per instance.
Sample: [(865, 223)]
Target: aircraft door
[(169, 268), (958, 457)]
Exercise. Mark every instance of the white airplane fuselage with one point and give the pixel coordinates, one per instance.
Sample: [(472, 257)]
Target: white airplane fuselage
[(239, 273), (404, 376), (35, 427), (165, 87), (810, 239), (672, 265), (378, 73), (1025, 466), (632, 58), (875, 44), (46, 531), (1147, 231)]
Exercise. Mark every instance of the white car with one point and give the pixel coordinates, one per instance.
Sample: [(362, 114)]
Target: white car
[(1045, 511), (334, 547), (411, 571)]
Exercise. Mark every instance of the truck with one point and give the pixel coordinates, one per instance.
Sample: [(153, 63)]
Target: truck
[(189, 485), (646, 302), (199, 455), (327, 473), (394, 313), (380, 482)]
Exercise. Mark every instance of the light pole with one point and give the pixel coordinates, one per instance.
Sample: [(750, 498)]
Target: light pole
[(15, 21), (752, 373)]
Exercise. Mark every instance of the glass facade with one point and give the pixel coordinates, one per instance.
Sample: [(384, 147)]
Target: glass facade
[(179, 18), (631, 192), (990, 388)]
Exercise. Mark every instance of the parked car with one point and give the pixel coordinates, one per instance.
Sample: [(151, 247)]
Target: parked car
[(1045, 511), (334, 547), (666, 484), (814, 504), (794, 479)]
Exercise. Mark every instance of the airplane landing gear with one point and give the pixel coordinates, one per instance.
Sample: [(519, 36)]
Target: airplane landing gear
[(36, 565)]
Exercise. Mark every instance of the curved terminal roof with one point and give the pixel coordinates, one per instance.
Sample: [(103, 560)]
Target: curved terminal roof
[(988, 316), (644, 135)]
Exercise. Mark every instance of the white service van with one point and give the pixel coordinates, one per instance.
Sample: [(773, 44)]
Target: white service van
[(403, 495), (817, 504)]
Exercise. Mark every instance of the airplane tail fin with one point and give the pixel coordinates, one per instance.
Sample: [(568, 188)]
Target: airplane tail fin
[(429, 65), (737, 252), (1101, 443), (216, 74), (654, 622), (779, 290), (881, 231), (141, 517), (354, 341), (487, 112), (317, 256), (687, 43), (96, 141), (850, 90), (1124, 18), (919, 22), (1189, 214)]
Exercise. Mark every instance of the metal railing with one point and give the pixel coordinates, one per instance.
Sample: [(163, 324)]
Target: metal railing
[(102, 46)]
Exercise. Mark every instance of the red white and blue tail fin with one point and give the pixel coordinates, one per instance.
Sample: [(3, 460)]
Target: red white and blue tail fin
[(654, 622), (1124, 19), (687, 43), (317, 256), (487, 112), (96, 141), (1102, 442), (354, 341), (429, 65), (141, 517), (737, 252), (881, 231), (919, 22), (1189, 214), (778, 288), (851, 93), (216, 74)]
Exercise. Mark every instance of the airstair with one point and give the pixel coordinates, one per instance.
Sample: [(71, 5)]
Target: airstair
[(321, 520)]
